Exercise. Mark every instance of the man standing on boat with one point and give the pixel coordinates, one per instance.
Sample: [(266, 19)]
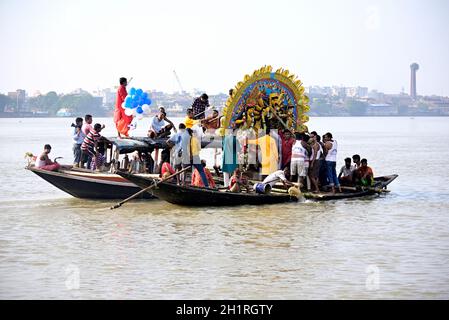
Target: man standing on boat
[(121, 120), (199, 106), (331, 161)]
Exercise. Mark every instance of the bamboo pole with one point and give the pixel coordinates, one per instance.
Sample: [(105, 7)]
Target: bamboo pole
[(118, 205)]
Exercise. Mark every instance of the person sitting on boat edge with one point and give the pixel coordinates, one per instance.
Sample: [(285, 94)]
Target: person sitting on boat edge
[(365, 173), (356, 160), (196, 177), (43, 161), (166, 169), (346, 173), (162, 109), (158, 127), (355, 173), (90, 143), (238, 182), (78, 138)]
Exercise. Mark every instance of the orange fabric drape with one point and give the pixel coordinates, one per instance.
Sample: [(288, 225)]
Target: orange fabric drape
[(121, 120)]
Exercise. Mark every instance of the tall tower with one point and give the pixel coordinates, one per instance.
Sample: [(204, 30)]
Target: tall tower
[(413, 68)]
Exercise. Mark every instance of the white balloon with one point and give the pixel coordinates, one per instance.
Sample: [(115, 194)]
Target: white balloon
[(123, 105), (129, 111), (146, 108), (139, 116)]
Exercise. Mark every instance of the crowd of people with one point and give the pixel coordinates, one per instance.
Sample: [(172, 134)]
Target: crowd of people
[(292, 158), (300, 158), (87, 153), (282, 156)]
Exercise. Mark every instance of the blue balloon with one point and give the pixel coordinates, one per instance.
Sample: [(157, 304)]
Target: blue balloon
[(144, 95), (128, 103), (128, 98), (148, 101), (139, 92), (135, 104), (132, 91), (139, 110)]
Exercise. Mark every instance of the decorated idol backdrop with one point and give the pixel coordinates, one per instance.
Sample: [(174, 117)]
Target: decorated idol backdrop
[(267, 99)]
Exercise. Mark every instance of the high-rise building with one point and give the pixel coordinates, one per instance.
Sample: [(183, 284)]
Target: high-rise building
[(413, 68)]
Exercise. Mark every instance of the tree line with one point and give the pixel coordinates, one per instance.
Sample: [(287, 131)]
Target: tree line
[(79, 103)]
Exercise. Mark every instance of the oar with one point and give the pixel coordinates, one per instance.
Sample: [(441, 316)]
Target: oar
[(118, 205), (207, 109)]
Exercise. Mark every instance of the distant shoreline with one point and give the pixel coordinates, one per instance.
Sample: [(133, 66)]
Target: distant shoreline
[(180, 116)]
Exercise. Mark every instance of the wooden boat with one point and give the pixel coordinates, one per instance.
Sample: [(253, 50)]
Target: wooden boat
[(380, 186), (194, 196), (89, 184)]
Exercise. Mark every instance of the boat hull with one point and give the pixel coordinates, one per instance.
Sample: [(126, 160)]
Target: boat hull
[(85, 187), (194, 196), (380, 185)]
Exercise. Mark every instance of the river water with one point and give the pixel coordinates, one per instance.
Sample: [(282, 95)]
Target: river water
[(395, 246)]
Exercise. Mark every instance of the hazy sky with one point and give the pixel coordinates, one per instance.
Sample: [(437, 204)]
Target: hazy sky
[(64, 45)]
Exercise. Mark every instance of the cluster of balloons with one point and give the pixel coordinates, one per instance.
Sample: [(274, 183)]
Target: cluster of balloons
[(137, 103)]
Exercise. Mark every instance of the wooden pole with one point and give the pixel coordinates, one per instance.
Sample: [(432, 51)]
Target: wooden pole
[(118, 205)]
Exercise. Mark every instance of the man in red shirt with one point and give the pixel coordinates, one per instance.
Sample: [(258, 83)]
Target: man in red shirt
[(287, 143), (121, 120)]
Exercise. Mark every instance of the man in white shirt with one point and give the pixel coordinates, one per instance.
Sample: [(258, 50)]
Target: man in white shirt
[(159, 127), (276, 176), (346, 172)]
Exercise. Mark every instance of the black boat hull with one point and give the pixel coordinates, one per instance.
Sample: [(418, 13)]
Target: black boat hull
[(193, 196), (85, 188), (380, 185)]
